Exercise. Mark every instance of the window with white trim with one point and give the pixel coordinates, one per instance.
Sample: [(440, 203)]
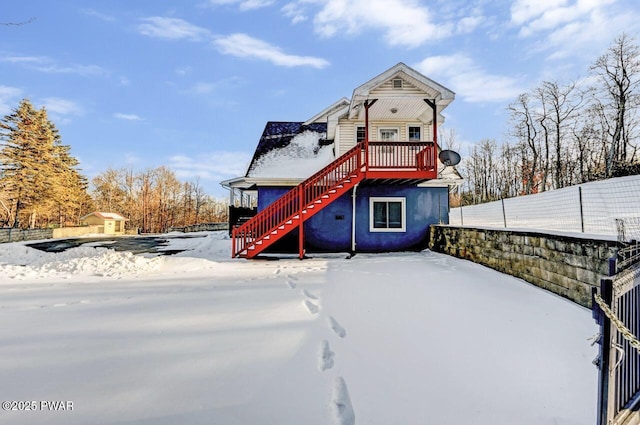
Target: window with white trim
[(414, 133), (387, 214), (389, 134), (360, 134)]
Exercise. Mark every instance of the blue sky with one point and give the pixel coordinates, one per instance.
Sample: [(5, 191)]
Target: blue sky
[(190, 84)]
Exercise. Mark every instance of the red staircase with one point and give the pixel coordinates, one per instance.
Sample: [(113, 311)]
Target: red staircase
[(291, 210)]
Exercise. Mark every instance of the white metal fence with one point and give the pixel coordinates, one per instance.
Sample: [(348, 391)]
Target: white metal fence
[(587, 208)]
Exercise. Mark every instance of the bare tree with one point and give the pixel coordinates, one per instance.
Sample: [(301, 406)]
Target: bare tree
[(618, 73), (526, 133)]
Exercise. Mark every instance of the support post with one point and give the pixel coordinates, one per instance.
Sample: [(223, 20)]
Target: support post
[(301, 221), (367, 104), (504, 215), (606, 292), (581, 209), (434, 108)]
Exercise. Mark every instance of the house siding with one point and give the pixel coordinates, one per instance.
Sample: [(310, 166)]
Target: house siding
[(424, 206), (330, 229), (347, 134)]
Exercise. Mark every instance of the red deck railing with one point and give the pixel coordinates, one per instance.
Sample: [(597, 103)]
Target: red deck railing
[(401, 155)]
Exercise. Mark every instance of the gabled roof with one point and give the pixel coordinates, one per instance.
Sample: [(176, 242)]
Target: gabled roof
[(106, 216), (443, 95), (328, 112), (410, 103)]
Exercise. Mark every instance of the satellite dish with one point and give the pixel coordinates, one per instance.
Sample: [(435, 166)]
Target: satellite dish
[(448, 157)]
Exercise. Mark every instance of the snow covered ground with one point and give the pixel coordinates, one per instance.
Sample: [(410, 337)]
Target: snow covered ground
[(198, 338)]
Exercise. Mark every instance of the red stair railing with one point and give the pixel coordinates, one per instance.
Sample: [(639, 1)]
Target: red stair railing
[(289, 206), (426, 158)]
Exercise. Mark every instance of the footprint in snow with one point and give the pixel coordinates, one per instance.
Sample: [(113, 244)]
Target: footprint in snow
[(291, 282), (325, 360), (341, 404), (309, 295), (335, 326), (313, 309)]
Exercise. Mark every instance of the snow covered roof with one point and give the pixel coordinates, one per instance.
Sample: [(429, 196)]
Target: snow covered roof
[(106, 216), (291, 150)]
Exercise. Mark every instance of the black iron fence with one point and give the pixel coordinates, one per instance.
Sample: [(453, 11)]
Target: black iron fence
[(617, 310)]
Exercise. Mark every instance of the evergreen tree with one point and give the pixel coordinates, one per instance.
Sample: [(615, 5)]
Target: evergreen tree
[(18, 157), (39, 178)]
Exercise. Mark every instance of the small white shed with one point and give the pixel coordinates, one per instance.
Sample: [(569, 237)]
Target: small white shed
[(109, 223)]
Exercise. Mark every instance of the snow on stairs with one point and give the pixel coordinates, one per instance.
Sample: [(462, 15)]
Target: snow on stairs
[(300, 203)]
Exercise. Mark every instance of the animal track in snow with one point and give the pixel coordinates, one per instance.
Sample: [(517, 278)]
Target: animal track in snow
[(325, 360), (309, 295), (313, 309), (335, 326), (291, 284), (341, 404)]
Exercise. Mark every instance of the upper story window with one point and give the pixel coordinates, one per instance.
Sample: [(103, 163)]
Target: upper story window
[(387, 214), (360, 134), (389, 135), (415, 133), (397, 83)]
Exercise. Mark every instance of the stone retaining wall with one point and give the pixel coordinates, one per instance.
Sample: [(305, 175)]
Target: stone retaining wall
[(16, 235), (567, 266), (202, 227)]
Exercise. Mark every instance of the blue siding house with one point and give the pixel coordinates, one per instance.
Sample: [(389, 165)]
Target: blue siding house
[(362, 175)]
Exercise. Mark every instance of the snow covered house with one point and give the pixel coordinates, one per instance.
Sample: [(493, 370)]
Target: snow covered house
[(107, 222), (362, 175)]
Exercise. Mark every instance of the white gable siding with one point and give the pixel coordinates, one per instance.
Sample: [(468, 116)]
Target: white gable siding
[(387, 89), (347, 136)]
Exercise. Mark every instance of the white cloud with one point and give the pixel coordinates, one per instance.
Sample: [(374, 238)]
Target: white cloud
[(294, 12), (525, 10), (213, 166), (99, 15), (131, 158), (243, 5), (468, 80), (571, 28), (84, 70), (245, 46), (25, 59), (469, 24), (60, 106), (403, 22), (543, 16), (203, 88), (184, 71), (172, 29), (9, 99), (50, 66), (127, 117)]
